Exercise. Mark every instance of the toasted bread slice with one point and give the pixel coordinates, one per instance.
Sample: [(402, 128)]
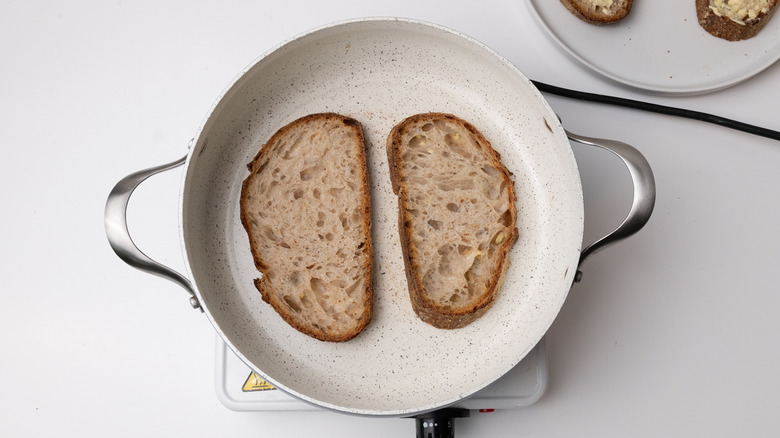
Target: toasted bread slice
[(734, 22), (599, 12), (456, 216), (306, 208)]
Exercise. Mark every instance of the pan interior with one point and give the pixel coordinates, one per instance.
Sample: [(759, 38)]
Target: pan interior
[(379, 72)]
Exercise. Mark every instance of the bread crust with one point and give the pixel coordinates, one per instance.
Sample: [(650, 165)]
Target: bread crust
[(426, 309), (263, 285), (580, 9), (726, 28)]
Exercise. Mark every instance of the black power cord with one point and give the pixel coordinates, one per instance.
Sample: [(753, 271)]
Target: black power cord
[(661, 109)]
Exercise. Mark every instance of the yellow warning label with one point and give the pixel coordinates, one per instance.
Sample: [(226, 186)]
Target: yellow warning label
[(256, 383)]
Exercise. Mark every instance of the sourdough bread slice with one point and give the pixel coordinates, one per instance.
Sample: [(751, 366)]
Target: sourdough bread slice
[(456, 216), (599, 12), (306, 209), (734, 20)]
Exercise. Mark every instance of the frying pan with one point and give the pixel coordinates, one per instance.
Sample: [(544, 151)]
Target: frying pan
[(379, 71)]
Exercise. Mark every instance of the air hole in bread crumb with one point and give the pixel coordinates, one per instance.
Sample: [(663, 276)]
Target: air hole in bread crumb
[(418, 141), (284, 245), (456, 143), (307, 303), (344, 221), (456, 184), (490, 170), (495, 191), (329, 237), (352, 288), (296, 278), (445, 269), (298, 194), (427, 127), (453, 207), (316, 193), (506, 218), (472, 276), (317, 286), (309, 173), (269, 234), (434, 224), (292, 303)]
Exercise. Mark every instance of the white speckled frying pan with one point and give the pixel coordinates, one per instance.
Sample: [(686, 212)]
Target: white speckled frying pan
[(378, 71)]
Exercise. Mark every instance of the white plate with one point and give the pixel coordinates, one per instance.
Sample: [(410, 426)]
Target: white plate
[(660, 47)]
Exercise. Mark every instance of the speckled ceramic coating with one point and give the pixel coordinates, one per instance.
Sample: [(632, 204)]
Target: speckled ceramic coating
[(380, 71)]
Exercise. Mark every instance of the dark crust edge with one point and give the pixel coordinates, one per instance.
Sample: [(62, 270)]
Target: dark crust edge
[(581, 13), (725, 28), (423, 307), (260, 284)]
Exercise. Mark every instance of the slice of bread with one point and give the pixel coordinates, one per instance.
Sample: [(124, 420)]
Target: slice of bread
[(306, 208), (599, 12), (732, 20), (456, 216)]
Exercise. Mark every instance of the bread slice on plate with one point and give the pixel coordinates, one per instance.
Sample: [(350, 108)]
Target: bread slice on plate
[(456, 216), (599, 12), (306, 209), (734, 20)]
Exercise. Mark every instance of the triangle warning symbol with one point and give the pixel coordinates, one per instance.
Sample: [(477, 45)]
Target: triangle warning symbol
[(256, 383)]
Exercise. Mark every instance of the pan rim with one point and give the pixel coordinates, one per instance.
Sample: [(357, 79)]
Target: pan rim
[(199, 144)]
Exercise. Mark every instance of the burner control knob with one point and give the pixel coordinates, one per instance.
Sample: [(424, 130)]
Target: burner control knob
[(439, 424)]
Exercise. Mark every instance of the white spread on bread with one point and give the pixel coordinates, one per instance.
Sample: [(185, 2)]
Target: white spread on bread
[(599, 12), (740, 11), (604, 6)]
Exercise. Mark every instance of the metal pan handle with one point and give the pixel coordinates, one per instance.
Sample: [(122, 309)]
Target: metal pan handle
[(644, 193), (115, 217)]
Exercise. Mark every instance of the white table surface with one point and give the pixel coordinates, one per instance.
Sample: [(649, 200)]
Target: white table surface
[(672, 333)]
